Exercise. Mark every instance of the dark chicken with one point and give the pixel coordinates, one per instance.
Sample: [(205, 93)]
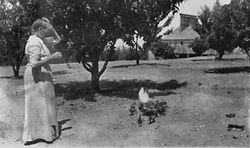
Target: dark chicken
[(133, 109)]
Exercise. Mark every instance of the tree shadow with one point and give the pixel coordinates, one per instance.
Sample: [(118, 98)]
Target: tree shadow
[(134, 65), (162, 93), (232, 59), (72, 90), (38, 141), (62, 72), (226, 70), (122, 88), (130, 88), (11, 77), (60, 123)]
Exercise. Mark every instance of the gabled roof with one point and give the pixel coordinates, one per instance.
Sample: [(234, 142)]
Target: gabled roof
[(187, 34)]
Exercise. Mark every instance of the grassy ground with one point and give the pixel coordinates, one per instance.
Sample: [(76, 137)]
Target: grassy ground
[(199, 92)]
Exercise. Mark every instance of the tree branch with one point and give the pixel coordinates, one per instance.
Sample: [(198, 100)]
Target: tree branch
[(104, 67), (86, 65), (112, 47)]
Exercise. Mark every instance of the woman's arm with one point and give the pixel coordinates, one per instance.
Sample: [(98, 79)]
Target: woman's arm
[(47, 60), (35, 57)]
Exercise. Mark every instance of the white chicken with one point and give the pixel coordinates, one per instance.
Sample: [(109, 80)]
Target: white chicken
[(143, 96)]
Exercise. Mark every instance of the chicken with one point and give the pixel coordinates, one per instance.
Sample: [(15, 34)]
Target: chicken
[(143, 96), (161, 107), (148, 109), (139, 121), (133, 109)]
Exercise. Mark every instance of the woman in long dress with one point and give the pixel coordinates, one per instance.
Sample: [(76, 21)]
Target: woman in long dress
[(40, 105)]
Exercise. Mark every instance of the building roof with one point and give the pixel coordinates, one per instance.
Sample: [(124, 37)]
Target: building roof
[(188, 15), (187, 34)]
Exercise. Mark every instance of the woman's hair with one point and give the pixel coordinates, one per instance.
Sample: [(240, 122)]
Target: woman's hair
[(43, 23)]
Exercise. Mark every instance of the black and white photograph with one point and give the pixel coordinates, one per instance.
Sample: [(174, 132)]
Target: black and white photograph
[(124, 73)]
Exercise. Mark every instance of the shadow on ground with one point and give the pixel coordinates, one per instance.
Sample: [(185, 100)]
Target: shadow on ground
[(232, 59), (226, 70), (122, 88), (134, 65), (11, 77), (62, 72), (60, 123)]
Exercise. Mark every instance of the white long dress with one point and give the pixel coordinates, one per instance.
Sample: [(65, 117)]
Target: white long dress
[(40, 102)]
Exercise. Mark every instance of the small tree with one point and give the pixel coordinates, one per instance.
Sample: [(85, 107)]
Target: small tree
[(199, 46), (16, 17), (222, 37), (146, 17), (240, 19), (205, 27), (92, 26), (162, 50), (216, 29), (132, 41)]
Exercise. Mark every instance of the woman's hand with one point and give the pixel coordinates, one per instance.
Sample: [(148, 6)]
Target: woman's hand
[(56, 55), (49, 59)]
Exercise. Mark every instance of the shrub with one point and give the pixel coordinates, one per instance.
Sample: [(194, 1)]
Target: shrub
[(199, 46), (162, 50)]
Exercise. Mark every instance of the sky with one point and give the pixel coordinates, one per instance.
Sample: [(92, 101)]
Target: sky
[(192, 7)]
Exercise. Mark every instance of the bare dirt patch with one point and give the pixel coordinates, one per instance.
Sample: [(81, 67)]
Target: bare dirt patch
[(199, 102)]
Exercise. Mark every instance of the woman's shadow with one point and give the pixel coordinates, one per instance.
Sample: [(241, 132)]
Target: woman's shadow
[(60, 130), (60, 123)]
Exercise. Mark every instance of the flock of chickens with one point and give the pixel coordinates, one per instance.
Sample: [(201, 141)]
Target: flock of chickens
[(147, 108)]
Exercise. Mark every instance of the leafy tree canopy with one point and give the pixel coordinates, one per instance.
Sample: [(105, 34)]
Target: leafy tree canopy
[(93, 26), (16, 17)]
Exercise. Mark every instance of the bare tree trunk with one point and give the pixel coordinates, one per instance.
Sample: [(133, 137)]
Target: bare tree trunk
[(15, 70), (221, 53), (16, 73), (137, 52), (94, 68), (220, 56), (95, 77), (137, 57)]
